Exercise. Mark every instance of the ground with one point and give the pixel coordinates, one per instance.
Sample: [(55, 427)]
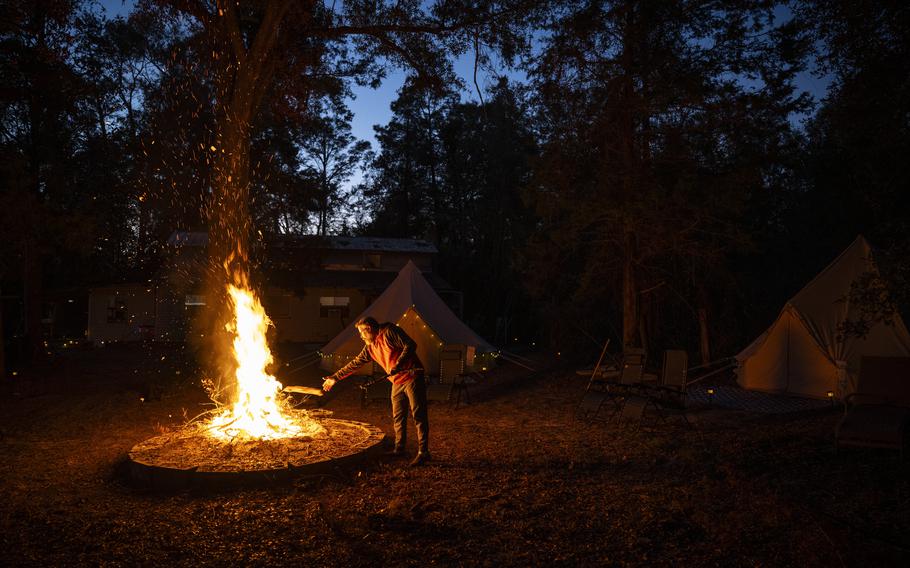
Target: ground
[(515, 479)]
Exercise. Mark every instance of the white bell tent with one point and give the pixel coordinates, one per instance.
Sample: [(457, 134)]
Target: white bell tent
[(803, 353), (411, 302)]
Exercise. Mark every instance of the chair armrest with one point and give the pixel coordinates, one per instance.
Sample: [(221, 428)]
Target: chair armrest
[(665, 389), (862, 398)]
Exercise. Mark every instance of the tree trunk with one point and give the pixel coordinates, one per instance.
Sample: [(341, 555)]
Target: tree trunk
[(629, 292), (704, 338), (645, 314), (32, 299), (701, 313), (229, 214), (2, 341), (629, 169), (242, 79)]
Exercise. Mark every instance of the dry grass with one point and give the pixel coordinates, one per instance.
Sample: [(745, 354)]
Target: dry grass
[(515, 480)]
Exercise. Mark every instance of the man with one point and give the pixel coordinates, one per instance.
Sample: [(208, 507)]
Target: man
[(394, 351)]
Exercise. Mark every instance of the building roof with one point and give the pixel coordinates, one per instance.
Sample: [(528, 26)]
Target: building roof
[(381, 244), (364, 280), (376, 244)]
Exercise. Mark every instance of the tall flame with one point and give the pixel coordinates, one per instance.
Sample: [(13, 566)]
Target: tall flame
[(257, 411)]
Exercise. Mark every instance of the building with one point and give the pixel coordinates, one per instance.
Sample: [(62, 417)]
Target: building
[(310, 286)]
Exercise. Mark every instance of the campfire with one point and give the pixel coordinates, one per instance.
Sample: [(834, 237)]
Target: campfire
[(259, 409), (259, 437)]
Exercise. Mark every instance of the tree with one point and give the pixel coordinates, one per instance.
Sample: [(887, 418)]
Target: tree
[(857, 176), (487, 152), (453, 173), (406, 186), (660, 121), (42, 207), (290, 54), (306, 45), (331, 157)]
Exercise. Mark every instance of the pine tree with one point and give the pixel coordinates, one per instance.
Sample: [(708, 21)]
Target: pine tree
[(660, 121)]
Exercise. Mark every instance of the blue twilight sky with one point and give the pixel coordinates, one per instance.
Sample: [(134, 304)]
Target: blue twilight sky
[(372, 106)]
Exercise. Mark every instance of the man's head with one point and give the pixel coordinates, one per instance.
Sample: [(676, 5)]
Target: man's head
[(367, 328)]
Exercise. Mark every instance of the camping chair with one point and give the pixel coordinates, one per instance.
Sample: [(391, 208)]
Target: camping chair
[(633, 356), (627, 395), (596, 391), (453, 384), (616, 393), (670, 392), (877, 413)]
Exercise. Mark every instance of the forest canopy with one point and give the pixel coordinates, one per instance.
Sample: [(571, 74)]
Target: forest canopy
[(656, 176)]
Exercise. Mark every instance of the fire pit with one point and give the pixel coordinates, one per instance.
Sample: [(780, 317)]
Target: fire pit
[(191, 458), (259, 437)]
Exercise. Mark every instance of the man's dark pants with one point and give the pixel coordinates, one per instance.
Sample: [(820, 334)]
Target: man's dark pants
[(412, 394)]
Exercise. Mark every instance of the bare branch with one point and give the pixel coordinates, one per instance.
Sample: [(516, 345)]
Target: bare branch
[(404, 53)]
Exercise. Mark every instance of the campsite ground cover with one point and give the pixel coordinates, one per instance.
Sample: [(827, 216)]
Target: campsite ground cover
[(515, 480)]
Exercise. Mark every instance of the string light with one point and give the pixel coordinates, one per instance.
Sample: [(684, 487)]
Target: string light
[(433, 337)]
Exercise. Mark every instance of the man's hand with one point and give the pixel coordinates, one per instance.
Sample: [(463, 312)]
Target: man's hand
[(328, 383)]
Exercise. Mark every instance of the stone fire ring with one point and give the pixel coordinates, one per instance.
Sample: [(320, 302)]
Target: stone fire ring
[(188, 459)]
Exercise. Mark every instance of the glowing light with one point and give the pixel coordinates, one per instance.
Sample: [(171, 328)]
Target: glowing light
[(257, 411)]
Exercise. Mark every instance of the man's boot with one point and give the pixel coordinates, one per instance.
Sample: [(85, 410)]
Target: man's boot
[(396, 452), (422, 458)]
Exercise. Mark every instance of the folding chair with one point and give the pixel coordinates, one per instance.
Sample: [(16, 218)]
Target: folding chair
[(452, 377), (670, 392), (877, 413), (627, 393), (595, 391), (600, 392), (591, 402), (633, 356)]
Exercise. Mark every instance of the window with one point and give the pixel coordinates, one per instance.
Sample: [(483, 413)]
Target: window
[(334, 307), (194, 300), (116, 309)]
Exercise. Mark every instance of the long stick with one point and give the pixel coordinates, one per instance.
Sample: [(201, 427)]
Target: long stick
[(503, 355), (712, 373), (725, 360), (517, 356), (307, 354), (600, 359)]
